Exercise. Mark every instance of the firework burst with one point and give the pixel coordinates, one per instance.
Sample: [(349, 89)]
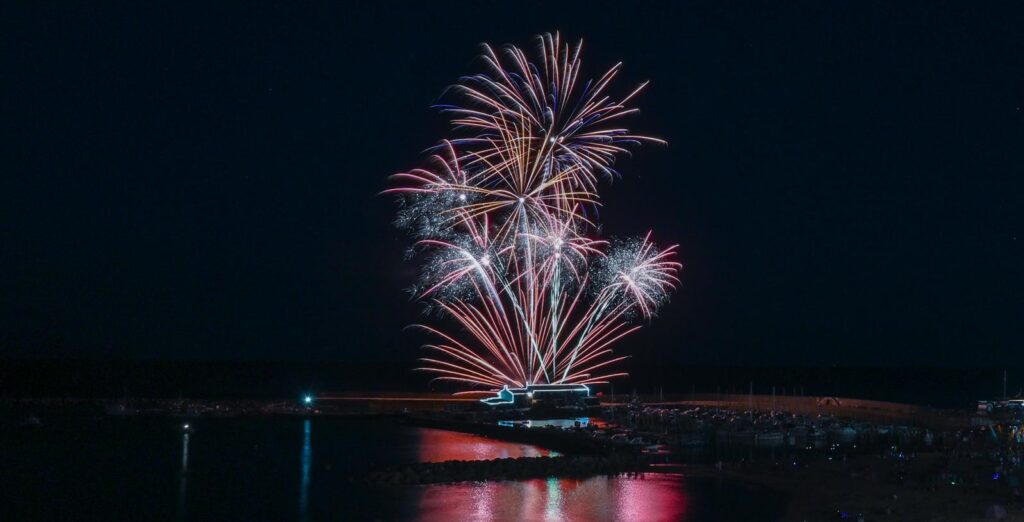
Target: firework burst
[(501, 213)]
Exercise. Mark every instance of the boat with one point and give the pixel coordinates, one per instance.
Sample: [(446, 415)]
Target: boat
[(769, 438), (844, 433), (121, 409), (656, 449), (30, 422)]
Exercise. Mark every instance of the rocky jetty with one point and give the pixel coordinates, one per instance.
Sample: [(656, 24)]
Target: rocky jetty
[(570, 441), (509, 469)]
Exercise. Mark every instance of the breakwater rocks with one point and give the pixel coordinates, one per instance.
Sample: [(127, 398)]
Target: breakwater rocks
[(566, 441), (508, 469)]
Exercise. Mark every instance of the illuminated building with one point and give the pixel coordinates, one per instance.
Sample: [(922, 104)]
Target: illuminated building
[(548, 394)]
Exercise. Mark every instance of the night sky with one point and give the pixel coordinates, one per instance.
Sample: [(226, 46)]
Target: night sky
[(200, 181)]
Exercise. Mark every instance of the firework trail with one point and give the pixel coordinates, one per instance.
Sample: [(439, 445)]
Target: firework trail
[(502, 214)]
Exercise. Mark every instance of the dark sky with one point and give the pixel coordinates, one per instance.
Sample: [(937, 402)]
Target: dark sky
[(183, 181)]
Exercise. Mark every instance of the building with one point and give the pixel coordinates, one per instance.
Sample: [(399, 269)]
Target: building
[(541, 394)]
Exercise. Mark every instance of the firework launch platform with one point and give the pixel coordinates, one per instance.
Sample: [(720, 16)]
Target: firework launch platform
[(539, 393)]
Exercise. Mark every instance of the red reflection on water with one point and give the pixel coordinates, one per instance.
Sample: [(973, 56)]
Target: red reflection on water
[(441, 445), (657, 497)]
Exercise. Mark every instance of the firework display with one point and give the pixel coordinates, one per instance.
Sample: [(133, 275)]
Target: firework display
[(503, 217)]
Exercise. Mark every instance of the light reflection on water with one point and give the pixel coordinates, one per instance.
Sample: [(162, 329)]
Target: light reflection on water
[(183, 476), (656, 497), (307, 463), (441, 445)]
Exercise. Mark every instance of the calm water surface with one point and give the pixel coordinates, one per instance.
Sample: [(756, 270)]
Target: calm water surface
[(301, 469)]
